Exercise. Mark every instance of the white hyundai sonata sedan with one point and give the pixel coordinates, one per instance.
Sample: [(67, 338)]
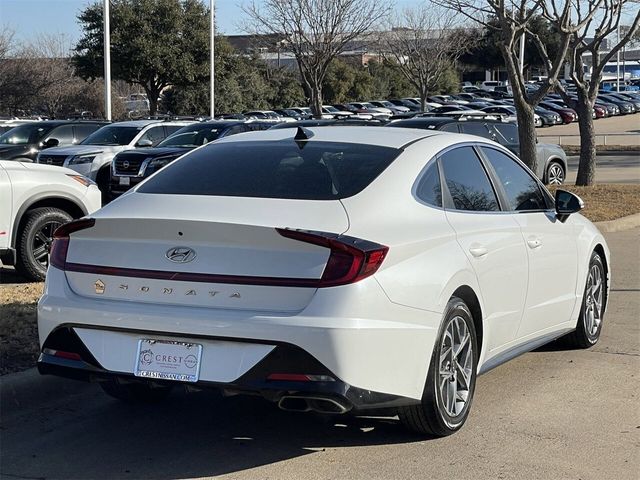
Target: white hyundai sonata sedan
[(330, 269)]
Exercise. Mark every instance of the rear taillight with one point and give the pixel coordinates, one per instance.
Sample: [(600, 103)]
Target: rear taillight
[(60, 245), (351, 259)]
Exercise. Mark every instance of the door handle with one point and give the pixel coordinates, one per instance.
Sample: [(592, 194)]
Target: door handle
[(534, 243), (478, 251)]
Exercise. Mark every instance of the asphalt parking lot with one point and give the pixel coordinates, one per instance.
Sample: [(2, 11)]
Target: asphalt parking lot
[(552, 413), (612, 167)]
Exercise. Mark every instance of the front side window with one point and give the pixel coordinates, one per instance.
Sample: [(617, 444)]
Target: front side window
[(475, 128), (63, 134), (154, 134), (507, 133), (112, 135), (467, 182), (270, 169), (522, 191)]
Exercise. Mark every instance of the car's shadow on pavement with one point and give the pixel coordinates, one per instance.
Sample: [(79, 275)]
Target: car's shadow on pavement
[(190, 435), (8, 275)]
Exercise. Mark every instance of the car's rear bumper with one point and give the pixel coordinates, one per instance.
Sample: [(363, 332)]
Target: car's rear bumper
[(354, 331), (282, 359)]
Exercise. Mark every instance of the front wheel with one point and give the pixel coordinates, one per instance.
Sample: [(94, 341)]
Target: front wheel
[(448, 392), (589, 325)]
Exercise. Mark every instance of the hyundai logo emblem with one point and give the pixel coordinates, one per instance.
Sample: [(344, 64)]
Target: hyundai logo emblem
[(181, 254)]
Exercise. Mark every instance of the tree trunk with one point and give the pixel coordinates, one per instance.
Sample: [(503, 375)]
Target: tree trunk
[(587, 165), (153, 104), (527, 134), (316, 101), (423, 101)]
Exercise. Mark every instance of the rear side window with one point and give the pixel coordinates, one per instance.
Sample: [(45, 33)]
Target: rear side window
[(275, 169), (467, 181), (429, 189), (523, 192)]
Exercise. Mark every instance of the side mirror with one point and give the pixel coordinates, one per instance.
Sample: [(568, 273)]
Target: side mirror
[(51, 142), (144, 143), (566, 204)]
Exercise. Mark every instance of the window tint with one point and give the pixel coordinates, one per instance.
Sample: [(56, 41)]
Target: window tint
[(155, 134), (282, 169), (467, 181), (171, 129), (523, 192), (63, 134), (475, 128), (83, 131), (507, 133), (112, 135), (450, 127), (429, 190)]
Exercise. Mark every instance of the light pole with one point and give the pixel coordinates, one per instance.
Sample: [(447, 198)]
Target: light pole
[(618, 59), (212, 34), (107, 61)]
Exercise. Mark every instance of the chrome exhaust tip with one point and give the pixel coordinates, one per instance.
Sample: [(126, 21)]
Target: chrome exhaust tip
[(299, 403)]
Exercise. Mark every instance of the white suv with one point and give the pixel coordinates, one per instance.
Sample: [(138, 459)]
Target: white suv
[(34, 201), (92, 157)]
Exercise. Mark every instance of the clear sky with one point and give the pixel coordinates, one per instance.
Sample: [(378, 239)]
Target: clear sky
[(31, 17)]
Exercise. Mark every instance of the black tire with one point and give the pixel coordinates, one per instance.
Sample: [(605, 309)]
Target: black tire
[(555, 174), (34, 235), (585, 336), (135, 392), (430, 417)]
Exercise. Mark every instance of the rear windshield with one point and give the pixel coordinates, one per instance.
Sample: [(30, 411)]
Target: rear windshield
[(275, 169)]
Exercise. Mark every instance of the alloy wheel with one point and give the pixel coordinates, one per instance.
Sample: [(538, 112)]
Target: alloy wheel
[(455, 367), (41, 243), (556, 175), (593, 301)]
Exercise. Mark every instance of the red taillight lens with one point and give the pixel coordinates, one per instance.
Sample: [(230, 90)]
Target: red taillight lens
[(351, 259), (60, 245)]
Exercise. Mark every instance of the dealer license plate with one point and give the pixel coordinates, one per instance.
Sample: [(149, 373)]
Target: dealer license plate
[(167, 360), (125, 181)]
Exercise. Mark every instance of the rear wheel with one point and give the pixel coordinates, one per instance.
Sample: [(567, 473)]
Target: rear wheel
[(448, 392), (135, 392), (34, 241), (555, 174), (589, 326)]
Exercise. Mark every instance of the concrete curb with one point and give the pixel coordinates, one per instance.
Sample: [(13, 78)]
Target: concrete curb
[(619, 224)]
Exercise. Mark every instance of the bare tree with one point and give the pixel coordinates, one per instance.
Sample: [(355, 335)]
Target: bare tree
[(424, 42), (316, 32), (511, 20), (598, 20)]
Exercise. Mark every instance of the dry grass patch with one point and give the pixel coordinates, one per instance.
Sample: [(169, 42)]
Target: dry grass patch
[(607, 201), (18, 326)]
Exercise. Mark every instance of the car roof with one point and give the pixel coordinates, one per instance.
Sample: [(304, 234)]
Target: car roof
[(378, 136), (144, 123), (55, 123)]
